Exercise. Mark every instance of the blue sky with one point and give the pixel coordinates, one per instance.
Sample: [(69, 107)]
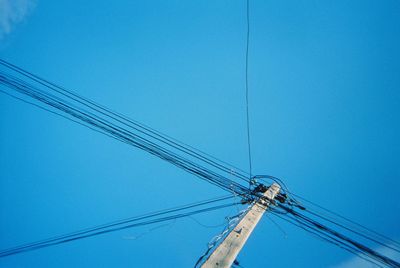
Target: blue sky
[(324, 110)]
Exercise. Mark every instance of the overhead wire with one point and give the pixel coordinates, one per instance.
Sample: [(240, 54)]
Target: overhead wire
[(328, 233), (247, 87), (121, 133), (352, 222), (352, 230), (70, 105), (228, 168), (142, 220), (317, 234), (53, 112), (219, 238)]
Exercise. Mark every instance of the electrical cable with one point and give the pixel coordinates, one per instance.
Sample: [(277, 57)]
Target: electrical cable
[(71, 106), (129, 122), (146, 219), (323, 238), (362, 227), (338, 237), (247, 86), (123, 134)]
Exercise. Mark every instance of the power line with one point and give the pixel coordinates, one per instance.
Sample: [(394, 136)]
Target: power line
[(356, 224), (120, 131), (247, 85), (85, 112), (353, 231), (335, 236), (323, 238), (146, 219), (129, 122), (53, 112)]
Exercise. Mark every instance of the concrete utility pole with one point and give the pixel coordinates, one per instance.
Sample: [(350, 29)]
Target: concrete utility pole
[(225, 254)]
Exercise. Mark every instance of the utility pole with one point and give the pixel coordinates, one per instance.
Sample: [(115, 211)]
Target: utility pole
[(225, 254)]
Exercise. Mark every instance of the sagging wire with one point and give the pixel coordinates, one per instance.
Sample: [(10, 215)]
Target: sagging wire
[(216, 240), (135, 237), (206, 225), (277, 226)]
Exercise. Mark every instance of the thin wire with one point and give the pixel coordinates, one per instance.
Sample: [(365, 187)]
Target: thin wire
[(122, 133), (114, 229), (58, 114), (318, 235), (247, 85), (130, 122), (147, 231), (205, 225), (93, 116), (348, 220), (353, 231), (116, 225), (339, 237), (119, 222), (152, 146), (277, 225)]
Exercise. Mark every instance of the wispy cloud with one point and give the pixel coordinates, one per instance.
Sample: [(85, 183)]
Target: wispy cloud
[(13, 12), (357, 262)]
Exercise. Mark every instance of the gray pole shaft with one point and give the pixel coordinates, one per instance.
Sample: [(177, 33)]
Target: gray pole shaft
[(225, 254)]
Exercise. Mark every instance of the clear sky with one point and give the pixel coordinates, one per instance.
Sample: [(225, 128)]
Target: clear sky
[(324, 110)]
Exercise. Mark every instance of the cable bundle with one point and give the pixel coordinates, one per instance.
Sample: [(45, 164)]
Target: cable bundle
[(330, 227), (99, 118), (143, 220)]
